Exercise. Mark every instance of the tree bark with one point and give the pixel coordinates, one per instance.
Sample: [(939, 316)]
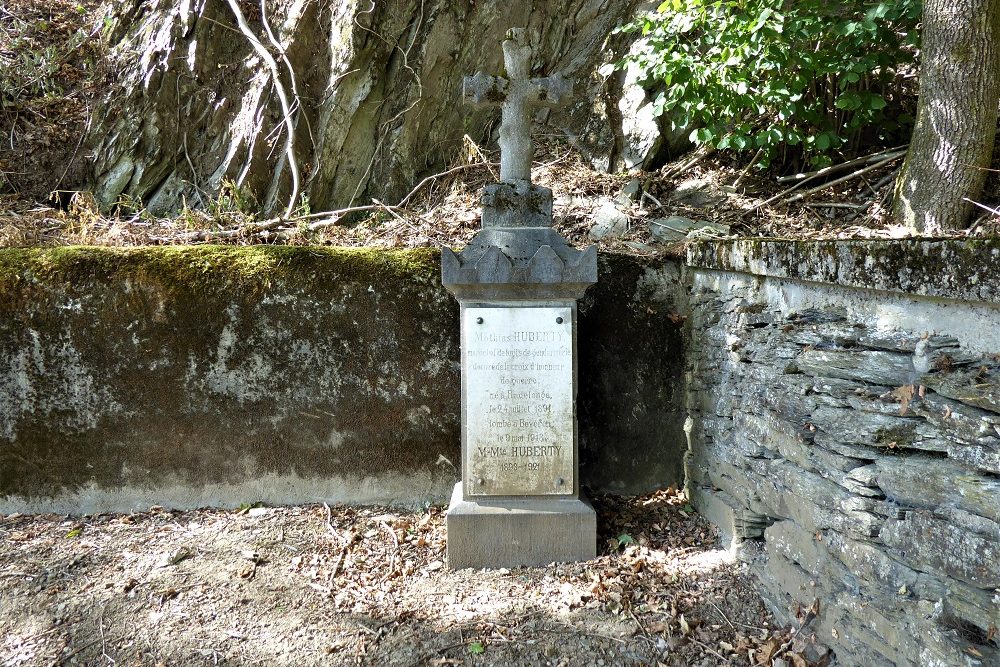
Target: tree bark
[(379, 93), (952, 142)]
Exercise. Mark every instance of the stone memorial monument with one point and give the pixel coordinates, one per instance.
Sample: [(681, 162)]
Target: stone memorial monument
[(518, 283)]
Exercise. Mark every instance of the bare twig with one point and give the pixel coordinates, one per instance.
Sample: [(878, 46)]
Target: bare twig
[(421, 184), (702, 154), (392, 533), (746, 169), (646, 195), (104, 643), (708, 648), (351, 538), (830, 204), (982, 206), (329, 520), (724, 617)]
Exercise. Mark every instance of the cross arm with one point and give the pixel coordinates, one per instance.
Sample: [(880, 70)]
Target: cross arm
[(483, 89)]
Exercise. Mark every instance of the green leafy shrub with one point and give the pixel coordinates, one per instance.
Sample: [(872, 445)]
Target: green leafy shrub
[(765, 75)]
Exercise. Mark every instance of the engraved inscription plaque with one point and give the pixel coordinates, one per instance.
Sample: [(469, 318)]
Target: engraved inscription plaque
[(518, 372)]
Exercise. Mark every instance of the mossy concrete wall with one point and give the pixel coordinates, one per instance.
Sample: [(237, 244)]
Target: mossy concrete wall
[(218, 376), (845, 432)]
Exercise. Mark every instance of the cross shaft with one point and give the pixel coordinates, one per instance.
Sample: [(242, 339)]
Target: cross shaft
[(517, 95)]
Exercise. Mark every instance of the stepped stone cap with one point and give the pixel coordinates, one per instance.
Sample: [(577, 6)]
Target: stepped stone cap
[(522, 262)]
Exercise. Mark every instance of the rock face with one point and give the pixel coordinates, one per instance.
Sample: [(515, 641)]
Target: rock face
[(851, 437), (375, 96)]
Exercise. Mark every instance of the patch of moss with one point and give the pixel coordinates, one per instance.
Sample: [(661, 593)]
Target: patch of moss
[(211, 268), (894, 437)]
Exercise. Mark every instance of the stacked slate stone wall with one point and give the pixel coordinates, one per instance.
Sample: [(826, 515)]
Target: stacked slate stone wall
[(844, 431)]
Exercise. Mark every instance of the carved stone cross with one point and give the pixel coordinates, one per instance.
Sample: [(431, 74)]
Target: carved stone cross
[(517, 95)]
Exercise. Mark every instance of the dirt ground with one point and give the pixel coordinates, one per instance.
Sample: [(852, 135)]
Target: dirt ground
[(368, 586)]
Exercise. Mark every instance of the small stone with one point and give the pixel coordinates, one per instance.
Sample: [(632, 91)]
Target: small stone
[(640, 247), (678, 228), (633, 189), (609, 222), (698, 192)]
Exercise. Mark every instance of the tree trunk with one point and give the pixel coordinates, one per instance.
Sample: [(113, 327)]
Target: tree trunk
[(378, 85), (952, 142)]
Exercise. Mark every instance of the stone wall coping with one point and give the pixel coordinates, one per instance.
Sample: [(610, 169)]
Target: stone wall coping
[(965, 269)]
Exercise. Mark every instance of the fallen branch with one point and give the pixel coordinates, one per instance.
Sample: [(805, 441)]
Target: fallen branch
[(816, 175), (708, 648), (351, 537), (746, 169), (677, 171), (844, 179), (837, 167), (830, 204)]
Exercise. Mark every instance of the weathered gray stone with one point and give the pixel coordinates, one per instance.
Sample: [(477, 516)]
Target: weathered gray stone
[(925, 482), (632, 190), (698, 192), (844, 389), (678, 228), (369, 126), (935, 268), (978, 386), (958, 420), (735, 524), (904, 341), (827, 335), (925, 541), (976, 456), (609, 222), (871, 367), (877, 430), (893, 590), (836, 567), (526, 532), (642, 137)]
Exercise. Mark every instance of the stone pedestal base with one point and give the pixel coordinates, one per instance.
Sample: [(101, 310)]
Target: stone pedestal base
[(531, 532)]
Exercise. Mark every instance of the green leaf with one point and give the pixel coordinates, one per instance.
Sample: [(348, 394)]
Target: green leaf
[(849, 101), (476, 648), (701, 136), (625, 538), (739, 141), (76, 532)]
